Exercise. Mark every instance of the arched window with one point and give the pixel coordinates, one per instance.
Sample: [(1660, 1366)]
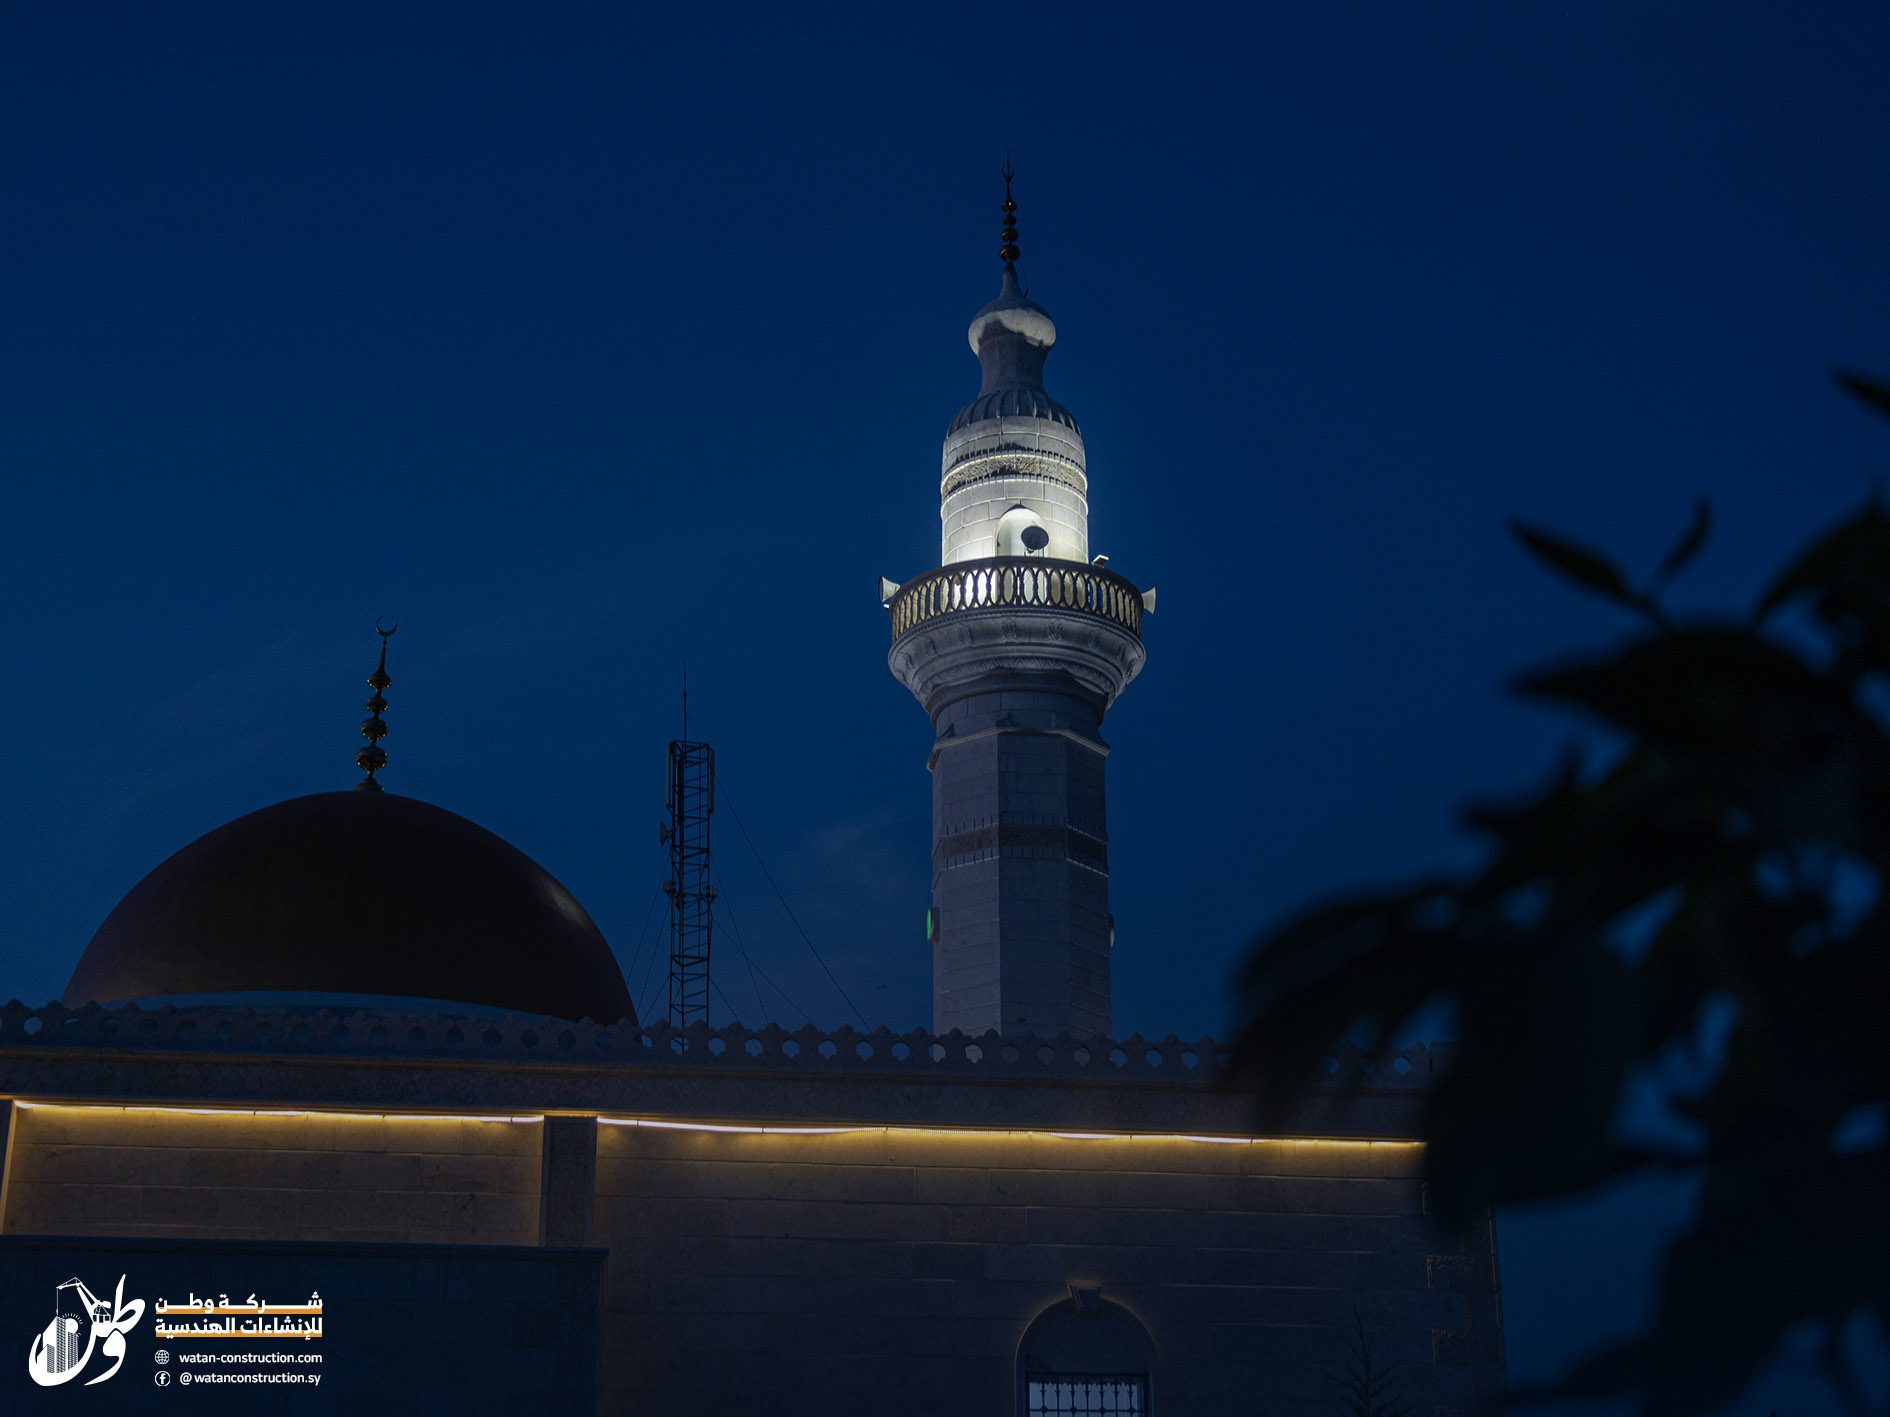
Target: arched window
[(1085, 1355)]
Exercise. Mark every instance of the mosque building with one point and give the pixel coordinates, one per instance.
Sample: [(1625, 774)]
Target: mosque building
[(351, 1089)]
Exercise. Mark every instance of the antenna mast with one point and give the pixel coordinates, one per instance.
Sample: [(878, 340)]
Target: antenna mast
[(689, 797)]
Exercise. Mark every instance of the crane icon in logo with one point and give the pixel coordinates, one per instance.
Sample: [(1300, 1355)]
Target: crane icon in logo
[(81, 1321)]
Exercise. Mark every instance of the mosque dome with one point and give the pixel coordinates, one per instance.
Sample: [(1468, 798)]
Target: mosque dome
[(355, 893)]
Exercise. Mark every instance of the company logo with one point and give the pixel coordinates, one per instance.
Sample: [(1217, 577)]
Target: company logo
[(81, 1321)]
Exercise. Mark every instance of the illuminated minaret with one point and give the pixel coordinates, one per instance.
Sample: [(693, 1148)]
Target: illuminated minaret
[(1016, 646)]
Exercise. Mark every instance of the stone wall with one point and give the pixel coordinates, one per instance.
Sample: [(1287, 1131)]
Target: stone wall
[(971, 514), (1020, 865), (170, 1174), (866, 1270)]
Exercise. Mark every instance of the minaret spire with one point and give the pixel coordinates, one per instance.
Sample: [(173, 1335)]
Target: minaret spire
[(373, 758), (1009, 251)]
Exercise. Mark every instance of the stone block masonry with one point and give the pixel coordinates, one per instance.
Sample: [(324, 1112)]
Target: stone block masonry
[(841, 1264), (1020, 865), (236, 1175)]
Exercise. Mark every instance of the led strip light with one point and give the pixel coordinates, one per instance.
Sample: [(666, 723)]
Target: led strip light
[(734, 1128)]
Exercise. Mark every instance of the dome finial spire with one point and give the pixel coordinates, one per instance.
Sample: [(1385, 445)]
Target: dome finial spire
[(1009, 250), (373, 758)]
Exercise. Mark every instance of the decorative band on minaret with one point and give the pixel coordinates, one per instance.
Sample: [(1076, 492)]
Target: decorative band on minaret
[(1017, 645)]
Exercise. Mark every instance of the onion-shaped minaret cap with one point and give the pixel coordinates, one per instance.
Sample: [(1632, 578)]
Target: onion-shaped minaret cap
[(1013, 316), (373, 758)]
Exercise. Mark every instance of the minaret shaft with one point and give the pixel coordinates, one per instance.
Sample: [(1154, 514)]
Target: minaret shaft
[(1020, 862)]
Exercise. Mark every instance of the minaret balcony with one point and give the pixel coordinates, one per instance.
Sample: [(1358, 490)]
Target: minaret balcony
[(1016, 582), (976, 625)]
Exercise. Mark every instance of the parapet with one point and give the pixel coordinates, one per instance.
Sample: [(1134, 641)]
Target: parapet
[(277, 1056)]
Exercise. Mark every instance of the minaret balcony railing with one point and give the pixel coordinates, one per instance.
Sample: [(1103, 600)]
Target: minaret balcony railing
[(1016, 582)]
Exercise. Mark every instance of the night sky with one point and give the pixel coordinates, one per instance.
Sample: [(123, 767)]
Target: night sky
[(593, 340)]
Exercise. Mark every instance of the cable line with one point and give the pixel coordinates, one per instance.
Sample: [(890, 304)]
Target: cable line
[(726, 1001), (643, 934), (766, 978), (649, 971), (721, 896), (768, 876)]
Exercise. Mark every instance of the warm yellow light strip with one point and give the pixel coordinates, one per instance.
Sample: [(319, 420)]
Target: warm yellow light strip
[(272, 1112), (737, 1128), (757, 1129)]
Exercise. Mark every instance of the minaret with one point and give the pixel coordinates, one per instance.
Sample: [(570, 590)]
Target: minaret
[(1016, 646)]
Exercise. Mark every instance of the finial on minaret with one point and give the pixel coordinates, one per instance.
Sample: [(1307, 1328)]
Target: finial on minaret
[(1009, 250), (373, 758)]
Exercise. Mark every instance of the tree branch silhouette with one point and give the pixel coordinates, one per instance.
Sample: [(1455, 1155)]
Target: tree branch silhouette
[(1729, 862)]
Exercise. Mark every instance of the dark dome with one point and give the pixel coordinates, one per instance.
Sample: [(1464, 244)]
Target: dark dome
[(355, 893)]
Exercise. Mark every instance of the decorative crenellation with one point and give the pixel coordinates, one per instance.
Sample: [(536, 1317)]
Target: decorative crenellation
[(291, 1032)]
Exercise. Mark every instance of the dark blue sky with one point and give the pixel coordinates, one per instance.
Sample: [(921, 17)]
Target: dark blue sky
[(591, 339)]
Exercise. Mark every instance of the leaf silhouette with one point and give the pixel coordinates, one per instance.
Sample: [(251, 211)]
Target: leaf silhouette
[(1588, 569), (1710, 689), (1845, 577), (1689, 544), (1866, 391)]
